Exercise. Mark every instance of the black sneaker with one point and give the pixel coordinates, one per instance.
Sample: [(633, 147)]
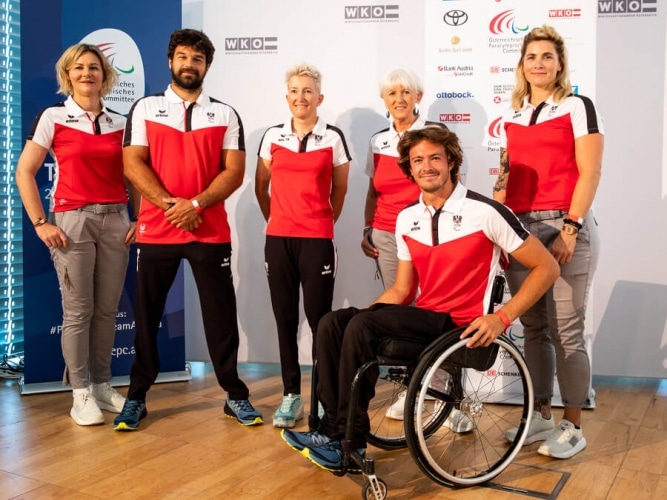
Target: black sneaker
[(128, 420), (243, 411)]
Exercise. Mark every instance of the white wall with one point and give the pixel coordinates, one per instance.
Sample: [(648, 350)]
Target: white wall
[(627, 314)]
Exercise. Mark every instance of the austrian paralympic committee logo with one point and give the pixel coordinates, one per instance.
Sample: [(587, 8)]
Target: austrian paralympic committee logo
[(251, 45), (455, 18), (493, 131), (627, 8), (123, 54), (506, 23), (371, 13)]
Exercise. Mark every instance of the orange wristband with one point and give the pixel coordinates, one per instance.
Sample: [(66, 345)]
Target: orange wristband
[(503, 317)]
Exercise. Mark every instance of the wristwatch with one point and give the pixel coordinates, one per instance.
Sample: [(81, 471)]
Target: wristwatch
[(570, 229)]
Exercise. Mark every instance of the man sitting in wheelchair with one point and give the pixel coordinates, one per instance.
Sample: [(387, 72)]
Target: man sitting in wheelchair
[(449, 244)]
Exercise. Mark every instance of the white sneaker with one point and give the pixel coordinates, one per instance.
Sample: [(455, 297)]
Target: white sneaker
[(397, 408), (459, 421), (564, 442), (85, 410), (289, 411), (539, 430), (108, 398)]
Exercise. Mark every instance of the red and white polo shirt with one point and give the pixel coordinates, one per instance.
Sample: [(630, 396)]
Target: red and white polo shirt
[(87, 153), (186, 143), (540, 145), (456, 250), (301, 176)]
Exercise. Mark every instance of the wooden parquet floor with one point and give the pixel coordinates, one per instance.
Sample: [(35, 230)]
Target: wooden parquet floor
[(186, 449)]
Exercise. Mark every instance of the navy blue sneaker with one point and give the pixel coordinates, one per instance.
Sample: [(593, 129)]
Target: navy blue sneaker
[(330, 457), (128, 419), (300, 440), (243, 411)]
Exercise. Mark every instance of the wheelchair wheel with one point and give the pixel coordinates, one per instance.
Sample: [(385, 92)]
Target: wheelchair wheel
[(471, 447), (386, 432), (367, 492)]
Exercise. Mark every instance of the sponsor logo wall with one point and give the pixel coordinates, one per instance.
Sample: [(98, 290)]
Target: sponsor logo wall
[(471, 50)]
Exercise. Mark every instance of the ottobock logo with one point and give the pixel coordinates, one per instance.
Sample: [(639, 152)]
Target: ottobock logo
[(506, 23), (455, 95), (564, 13), (627, 8), (455, 18), (455, 117), (371, 13), (252, 45)]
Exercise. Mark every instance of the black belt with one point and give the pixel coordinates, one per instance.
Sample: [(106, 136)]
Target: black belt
[(540, 215)]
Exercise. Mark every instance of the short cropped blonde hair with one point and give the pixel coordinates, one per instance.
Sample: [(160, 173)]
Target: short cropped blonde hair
[(305, 69), (69, 58)]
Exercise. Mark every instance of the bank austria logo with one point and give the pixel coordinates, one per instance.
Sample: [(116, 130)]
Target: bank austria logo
[(371, 13), (456, 70), (123, 54), (506, 23), (455, 18), (627, 8), (251, 45), (564, 13)]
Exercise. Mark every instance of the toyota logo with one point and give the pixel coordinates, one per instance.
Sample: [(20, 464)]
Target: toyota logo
[(455, 18)]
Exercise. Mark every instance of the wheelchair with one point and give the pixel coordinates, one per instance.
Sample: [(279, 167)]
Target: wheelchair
[(444, 384)]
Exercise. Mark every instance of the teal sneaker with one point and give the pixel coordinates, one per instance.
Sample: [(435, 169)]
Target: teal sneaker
[(243, 411), (133, 411), (289, 411)]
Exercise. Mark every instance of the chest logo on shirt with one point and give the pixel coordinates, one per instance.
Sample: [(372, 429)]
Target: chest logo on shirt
[(456, 222), (211, 116), (318, 139), (71, 119), (415, 226), (283, 138), (516, 115), (385, 145), (326, 269), (552, 111), (161, 113), (109, 121)]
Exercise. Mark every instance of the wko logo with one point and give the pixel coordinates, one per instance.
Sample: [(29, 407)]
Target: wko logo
[(627, 8), (506, 22), (371, 13), (259, 45), (564, 13), (455, 117)]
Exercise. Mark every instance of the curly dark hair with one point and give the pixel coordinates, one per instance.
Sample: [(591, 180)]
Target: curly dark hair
[(435, 135), (191, 38)]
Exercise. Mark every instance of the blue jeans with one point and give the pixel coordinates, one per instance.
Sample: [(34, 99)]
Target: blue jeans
[(554, 326)]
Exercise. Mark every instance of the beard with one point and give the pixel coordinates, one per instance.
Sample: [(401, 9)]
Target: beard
[(191, 81)]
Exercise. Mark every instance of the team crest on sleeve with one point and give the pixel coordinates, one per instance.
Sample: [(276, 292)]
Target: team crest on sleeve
[(456, 222)]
